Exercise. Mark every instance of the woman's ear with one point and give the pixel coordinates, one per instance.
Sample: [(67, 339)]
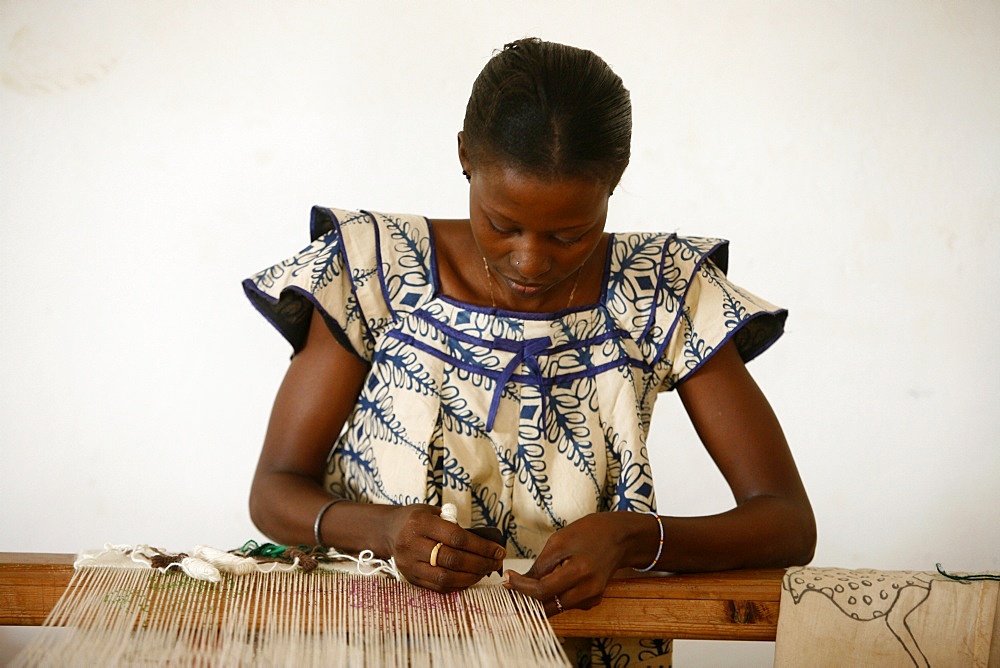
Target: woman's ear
[(463, 157)]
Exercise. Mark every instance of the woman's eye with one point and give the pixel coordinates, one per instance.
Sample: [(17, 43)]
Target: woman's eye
[(499, 229)]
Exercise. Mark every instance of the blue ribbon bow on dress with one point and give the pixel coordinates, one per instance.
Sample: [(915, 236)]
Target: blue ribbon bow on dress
[(526, 351)]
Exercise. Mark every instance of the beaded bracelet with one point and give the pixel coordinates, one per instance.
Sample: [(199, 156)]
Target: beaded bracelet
[(659, 549), (317, 527)]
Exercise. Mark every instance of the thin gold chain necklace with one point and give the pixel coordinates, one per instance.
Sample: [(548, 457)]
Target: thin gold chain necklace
[(493, 301)]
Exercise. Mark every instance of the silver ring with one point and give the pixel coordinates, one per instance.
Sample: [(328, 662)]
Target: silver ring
[(558, 604)]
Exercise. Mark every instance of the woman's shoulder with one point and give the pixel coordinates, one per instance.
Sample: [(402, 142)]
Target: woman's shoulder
[(648, 256), (670, 244), (326, 220), (651, 276), (672, 293)]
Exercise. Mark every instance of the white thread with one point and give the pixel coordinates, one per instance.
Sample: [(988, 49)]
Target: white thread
[(141, 554), (225, 561), (111, 555), (365, 563), (199, 570)]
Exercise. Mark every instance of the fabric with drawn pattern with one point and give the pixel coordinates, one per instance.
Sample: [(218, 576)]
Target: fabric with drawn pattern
[(869, 617), (524, 421)]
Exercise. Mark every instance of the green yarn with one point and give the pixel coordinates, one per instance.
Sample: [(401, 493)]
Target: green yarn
[(252, 548), (972, 577)]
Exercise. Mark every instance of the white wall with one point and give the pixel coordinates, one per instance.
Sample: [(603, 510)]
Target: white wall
[(154, 154)]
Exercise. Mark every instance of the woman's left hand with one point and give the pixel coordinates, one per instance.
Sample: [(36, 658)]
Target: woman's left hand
[(577, 561)]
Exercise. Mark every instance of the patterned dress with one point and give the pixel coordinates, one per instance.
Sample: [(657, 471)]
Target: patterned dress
[(525, 421)]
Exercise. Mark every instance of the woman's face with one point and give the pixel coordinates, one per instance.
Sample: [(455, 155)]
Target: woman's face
[(535, 234)]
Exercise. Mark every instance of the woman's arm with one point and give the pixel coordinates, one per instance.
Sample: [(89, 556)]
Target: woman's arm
[(772, 523), (316, 397), (319, 390)]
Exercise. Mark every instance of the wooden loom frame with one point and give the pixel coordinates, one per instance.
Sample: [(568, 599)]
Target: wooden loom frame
[(731, 605)]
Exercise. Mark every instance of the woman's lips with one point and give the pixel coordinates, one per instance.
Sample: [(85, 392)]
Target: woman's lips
[(523, 289)]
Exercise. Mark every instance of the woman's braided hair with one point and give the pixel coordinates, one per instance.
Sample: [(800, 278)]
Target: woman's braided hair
[(552, 110)]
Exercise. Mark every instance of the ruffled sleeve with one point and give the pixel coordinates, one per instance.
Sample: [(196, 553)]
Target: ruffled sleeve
[(319, 276), (702, 309), (671, 295)]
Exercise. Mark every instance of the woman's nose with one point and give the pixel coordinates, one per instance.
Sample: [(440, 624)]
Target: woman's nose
[(529, 262)]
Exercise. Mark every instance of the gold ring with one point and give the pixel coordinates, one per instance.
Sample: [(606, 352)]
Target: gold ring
[(558, 603), (434, 554)]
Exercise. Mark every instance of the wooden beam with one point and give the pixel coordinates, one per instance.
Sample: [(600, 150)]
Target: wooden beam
[(733, 605), (30, 585)]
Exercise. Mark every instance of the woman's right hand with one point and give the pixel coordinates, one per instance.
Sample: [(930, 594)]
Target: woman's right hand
[(412, 532)]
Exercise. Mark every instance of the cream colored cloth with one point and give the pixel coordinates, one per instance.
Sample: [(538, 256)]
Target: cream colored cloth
[(839, 617)]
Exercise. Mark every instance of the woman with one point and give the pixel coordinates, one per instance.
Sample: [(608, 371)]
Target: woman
[(509, 363)]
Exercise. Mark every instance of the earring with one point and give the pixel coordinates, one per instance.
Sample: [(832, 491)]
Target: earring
[(466, 175)]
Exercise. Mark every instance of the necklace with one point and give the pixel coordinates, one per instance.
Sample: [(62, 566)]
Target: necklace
[(493, 301)]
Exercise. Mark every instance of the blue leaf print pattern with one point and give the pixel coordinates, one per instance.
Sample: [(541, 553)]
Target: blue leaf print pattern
[(376, 410), (629, 479), (608, 652), (531, 471), (403, 369), (568, 429), (324, 266), (654, 648), (515, 546), (361, 276), (435, 471), (487, 510), (359, 475), (454, 476), (457, 416), (696, 349), (611, 498)]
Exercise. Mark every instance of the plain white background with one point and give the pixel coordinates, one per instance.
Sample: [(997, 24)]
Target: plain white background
[(154, 154)]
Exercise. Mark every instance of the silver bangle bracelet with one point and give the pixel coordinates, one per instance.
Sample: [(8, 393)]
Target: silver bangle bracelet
[(659, 548), (317, 530)]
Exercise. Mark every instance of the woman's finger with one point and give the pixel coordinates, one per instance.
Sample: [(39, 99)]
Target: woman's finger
[(553, 595), (529, 586), (462, 550), (452, 559), (439, 579)]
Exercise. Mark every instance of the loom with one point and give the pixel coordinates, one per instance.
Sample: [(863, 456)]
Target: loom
[(921, 618), (138, 605), (35, 588)]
